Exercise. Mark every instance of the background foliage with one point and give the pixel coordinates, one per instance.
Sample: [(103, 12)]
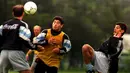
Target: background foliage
[(86, 21)]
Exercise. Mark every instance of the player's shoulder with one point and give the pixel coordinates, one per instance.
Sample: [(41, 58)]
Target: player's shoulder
[(8, 21), (44, 30), (65, 35), (24, 24)]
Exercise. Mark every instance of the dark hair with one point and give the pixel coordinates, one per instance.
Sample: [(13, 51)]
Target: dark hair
[(59, 18), (18, 10), (123, 26)]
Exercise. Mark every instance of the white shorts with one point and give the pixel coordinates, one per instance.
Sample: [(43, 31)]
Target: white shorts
[(13, 59), (101, 63)]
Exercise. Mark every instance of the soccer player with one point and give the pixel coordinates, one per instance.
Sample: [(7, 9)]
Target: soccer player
[(106, 58), (36, 31), (16, 37), (58, 44)]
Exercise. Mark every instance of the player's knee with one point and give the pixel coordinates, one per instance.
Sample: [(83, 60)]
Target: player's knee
[(85, 47), (87, 50)]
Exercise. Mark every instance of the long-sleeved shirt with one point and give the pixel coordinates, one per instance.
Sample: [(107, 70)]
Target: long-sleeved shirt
[(112, 47)]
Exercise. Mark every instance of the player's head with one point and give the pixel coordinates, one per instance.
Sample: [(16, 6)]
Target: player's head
[(120, 27), (18, 10), (57, 23), (36, 30)]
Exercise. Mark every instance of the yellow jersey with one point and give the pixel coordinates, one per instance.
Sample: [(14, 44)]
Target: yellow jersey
[(47, 56)]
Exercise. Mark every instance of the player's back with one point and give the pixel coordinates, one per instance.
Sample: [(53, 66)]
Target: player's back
[(10, 35)]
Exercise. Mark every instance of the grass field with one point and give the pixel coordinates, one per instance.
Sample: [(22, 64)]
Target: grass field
[(62, 72), (72, 72)]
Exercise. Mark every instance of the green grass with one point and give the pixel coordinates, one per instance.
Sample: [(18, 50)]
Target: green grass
[(70, 72), (61, 72)]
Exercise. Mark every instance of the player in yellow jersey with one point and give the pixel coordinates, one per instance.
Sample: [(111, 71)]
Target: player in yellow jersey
[(58, 44)]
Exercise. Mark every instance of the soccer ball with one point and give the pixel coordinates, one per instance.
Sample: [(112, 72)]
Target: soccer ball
[(30, 7)]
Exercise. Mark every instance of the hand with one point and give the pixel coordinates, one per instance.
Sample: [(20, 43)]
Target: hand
[(40, 48), (52, 41), (56, 50), (117, 35)]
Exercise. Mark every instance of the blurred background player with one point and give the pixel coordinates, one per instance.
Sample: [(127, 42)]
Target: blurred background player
[(58, 45), (16, 37), (106, 57), (36, 31)]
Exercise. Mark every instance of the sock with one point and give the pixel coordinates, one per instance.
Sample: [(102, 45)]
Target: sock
[(89, 66)]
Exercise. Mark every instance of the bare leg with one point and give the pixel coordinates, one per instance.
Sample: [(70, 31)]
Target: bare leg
[(33, 64), (88, 53), (32, 69)]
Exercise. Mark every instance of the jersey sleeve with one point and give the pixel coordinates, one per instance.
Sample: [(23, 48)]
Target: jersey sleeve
[(40, 39), (25, 34), (115, 47), (66, 45)]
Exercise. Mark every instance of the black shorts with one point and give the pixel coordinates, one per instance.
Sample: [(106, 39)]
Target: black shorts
[(113, 66), (41, 67)]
